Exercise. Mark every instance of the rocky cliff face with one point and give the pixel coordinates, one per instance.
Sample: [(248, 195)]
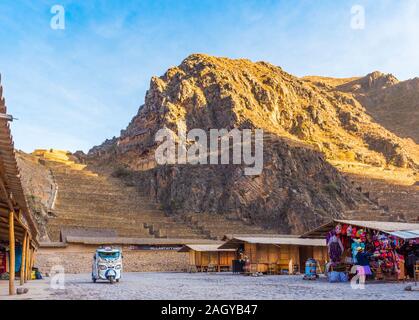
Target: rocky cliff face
[(395, 106), (313, 120), (392, 103), (296, 190)]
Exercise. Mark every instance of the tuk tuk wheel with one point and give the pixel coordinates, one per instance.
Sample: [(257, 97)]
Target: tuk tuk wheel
[(94, 280), (112, 280), (117, 280)]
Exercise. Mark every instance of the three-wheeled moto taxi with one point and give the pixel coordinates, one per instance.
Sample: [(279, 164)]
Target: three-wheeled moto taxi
[(107, 264)]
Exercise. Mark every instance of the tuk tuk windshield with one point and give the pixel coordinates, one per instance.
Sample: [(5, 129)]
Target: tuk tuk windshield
[(109, 255)]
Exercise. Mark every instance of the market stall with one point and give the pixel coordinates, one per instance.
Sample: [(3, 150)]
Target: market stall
[(207, 257), (374, 249), (276, 254)]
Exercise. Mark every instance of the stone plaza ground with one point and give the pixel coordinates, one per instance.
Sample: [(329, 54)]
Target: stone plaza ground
[(187, 286)]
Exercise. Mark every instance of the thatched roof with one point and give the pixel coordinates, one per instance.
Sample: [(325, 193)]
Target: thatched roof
[(86, 232), (137, 241), (204, 248), (237, 241), (9, 174), (52, 245)]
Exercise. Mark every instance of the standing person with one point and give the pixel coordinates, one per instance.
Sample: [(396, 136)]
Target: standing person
[(410, 262), (363, 263)]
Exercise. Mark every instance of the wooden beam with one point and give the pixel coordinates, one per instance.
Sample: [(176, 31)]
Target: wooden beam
[(6, 221), (20, 228), (11, 253), (6, 195), (5, 234), (5, 136), (23, 262), (5, 144), (19, 232)]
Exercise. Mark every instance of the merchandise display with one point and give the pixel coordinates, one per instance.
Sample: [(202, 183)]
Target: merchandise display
[(373, 253)]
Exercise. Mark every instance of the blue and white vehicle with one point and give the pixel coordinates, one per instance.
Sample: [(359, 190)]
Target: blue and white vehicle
[(107, 264)]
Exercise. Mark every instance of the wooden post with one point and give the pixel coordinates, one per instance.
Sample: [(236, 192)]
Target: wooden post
[(11, 253), (27, 259), (23, 262), (28, 271), (25, 249), (32, 262)]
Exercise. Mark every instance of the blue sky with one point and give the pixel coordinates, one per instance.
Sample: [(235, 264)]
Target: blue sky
[(73, 88)]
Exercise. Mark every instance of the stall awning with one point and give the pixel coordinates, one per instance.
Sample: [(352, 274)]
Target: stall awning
[(411, 234), (386, 227)]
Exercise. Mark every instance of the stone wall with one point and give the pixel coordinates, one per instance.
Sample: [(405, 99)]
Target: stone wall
[(78, 259)]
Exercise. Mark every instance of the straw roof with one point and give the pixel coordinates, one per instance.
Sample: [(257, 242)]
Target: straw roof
[(52, 245), (9, 174), (237, 241), (137, 241), (375, 225), (86, 232), (204, 248)]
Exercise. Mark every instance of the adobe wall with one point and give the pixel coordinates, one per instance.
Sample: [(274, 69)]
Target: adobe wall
[(78, 259)]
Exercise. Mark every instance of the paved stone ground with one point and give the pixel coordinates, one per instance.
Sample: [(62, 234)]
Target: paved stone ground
[(213, 287)]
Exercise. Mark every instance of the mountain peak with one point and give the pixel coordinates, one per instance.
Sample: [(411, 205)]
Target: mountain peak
[(376, 80), (216, 92), (382, 78)]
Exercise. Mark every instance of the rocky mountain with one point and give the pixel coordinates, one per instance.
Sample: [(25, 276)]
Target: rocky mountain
[(395, 106), (307, 123), (209, 92), (392, 103)]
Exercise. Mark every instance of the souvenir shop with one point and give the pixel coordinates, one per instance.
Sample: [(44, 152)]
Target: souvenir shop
[(5, 259), (4, 263), (378, 250)]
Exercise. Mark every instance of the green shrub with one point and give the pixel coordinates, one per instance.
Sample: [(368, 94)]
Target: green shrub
[(121, 173), (331, 188)]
